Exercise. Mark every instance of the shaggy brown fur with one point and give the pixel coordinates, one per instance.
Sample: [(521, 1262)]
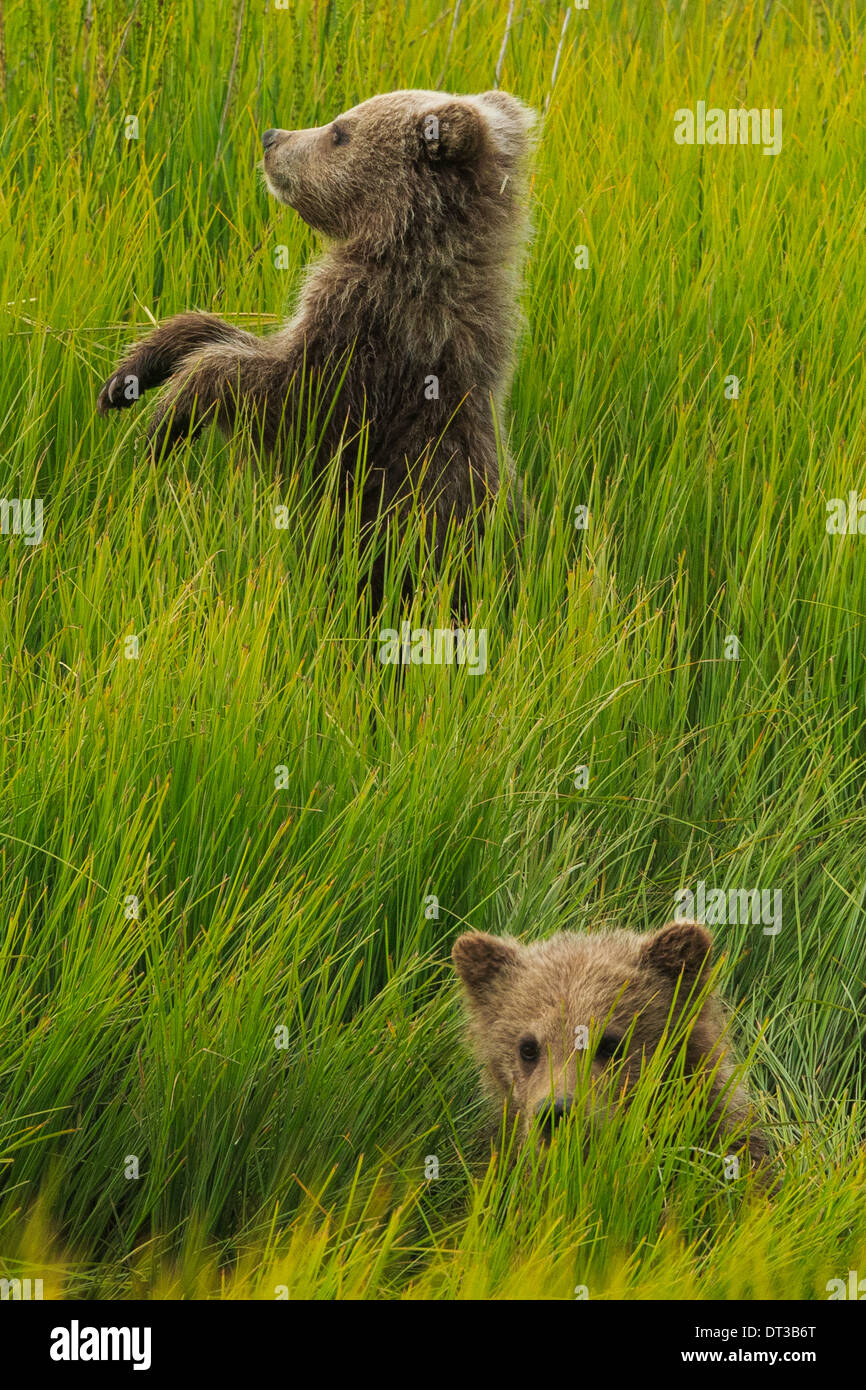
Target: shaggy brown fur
[(424, 197), (524, 1003)]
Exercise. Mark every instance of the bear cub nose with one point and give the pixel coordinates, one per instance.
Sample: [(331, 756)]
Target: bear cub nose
[(549, 1115), (269, 137)]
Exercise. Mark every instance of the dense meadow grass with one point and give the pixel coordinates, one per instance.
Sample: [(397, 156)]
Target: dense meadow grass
[(166, 908)]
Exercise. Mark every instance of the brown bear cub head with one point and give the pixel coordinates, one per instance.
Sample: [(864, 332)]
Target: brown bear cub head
[(401, 165), (533, 1009)]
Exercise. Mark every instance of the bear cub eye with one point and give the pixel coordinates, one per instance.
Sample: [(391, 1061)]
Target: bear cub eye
[(528, 1050), (339, 135), (607, 1047)]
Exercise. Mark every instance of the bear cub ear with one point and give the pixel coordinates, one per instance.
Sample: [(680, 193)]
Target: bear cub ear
[(514, 126), (479, 959), (679, 948), (452, 133)]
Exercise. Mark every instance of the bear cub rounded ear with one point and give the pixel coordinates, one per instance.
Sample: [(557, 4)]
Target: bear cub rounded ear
[(479, 959), (679, 948), (452, 132)]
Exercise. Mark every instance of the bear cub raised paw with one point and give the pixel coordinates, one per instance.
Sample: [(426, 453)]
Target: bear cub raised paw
[(621, 990)]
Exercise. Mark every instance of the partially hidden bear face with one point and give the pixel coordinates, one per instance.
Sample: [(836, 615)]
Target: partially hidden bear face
[(536, 1011), (396, 160)]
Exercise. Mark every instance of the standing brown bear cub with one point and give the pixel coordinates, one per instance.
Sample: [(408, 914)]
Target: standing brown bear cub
[(411, 310), (623, 992)]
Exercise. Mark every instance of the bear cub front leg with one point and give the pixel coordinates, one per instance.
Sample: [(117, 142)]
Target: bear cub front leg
[(153, 360), (217, 385), (189, 403)]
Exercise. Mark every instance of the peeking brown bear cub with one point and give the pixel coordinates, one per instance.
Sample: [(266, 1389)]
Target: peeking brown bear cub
[(409, 318), (531, 1009)]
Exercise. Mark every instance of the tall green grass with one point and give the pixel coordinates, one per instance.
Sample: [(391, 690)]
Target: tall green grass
[(301, 1169)]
